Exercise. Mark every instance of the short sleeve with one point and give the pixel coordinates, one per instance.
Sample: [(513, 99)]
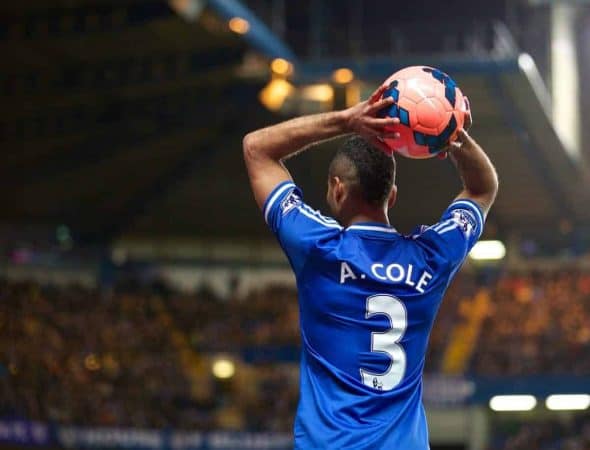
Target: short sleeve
[(456, 233), (297, 226)]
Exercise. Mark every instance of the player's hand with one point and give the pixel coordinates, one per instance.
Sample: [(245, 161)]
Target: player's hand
[(462, 133), (468, 117), (362, 119)]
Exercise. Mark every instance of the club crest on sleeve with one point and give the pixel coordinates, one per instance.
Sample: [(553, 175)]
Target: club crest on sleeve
[(290, 202), (465, 220)]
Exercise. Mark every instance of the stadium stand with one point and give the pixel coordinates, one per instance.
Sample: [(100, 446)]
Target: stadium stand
[(135, 357), (74, 356), (536, 322), (546, 435)]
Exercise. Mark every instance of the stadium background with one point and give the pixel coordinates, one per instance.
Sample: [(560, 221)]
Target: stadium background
[(143, 304)]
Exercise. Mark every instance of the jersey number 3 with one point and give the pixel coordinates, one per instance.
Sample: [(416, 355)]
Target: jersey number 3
[(387, 342)]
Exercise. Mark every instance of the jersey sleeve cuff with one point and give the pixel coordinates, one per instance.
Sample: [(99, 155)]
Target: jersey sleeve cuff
[(274, 196), (472, 206)]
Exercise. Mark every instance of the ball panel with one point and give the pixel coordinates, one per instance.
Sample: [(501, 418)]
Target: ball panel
[(421, 152), (444, 122), (406, 144), (411, 72), (417, 89), (441, 95), (430, 131), (409, 106), (430, 113)]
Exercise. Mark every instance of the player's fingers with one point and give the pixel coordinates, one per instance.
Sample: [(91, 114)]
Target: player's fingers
[(382, 123), (455, 145), (390, 135), (468, 116), (370, 133), (377, 94), (379, 105), (461, 137)]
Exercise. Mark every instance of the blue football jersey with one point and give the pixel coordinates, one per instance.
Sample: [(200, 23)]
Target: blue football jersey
[(368, 297)]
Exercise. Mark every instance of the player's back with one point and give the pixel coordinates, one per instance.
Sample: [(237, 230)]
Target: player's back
[(368, 297)]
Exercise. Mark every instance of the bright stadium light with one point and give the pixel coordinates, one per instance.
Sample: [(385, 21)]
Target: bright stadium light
[(274, 94), (353, 94), (318, 92), (281, 66), (565, 79), (190, 10), (223, 368), (239, 25), (526, 62), (343, 75), (568, 402), (488, 251), (513, 402)]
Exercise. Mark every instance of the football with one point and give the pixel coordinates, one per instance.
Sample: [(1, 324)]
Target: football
[(431, 109)]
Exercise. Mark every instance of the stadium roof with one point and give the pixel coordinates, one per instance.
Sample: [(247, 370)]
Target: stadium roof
[(118, 117)]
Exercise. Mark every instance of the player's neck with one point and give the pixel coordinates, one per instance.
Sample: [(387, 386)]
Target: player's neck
[(372, 216)]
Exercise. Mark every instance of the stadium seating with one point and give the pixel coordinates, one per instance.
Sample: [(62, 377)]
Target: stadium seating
[(536, 323), (141, 357), (546, 435), (74, 356)]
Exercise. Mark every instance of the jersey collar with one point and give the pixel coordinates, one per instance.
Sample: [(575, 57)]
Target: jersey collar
[(372, 226)]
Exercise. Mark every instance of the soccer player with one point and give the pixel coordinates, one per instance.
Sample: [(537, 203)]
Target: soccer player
[(368, 295)]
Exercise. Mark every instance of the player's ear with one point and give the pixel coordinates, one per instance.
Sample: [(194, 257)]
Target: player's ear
[(332, 181), (392, 197), (339, 189), (332, 184)]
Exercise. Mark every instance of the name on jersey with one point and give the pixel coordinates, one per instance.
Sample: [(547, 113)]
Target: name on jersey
[(394, 273)]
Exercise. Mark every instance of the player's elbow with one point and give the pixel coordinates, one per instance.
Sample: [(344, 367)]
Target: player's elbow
[(489, 198), (494, 185), (487, 188), (251, 149), (486, 196), (248, 147)]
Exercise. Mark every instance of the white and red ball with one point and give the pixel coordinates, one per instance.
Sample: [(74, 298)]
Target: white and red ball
[(431, 109)]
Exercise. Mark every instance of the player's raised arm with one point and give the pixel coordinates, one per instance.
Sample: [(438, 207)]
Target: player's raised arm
[(480, 180), (265, 149)]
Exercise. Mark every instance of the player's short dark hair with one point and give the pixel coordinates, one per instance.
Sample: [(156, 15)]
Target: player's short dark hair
[(367, 168)]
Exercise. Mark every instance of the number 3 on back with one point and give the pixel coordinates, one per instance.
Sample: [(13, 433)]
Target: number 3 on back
[(387, 341)]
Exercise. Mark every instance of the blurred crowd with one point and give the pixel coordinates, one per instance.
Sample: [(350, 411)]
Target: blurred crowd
[(72, 355), (267, 317), (536, 323), (143, 357), (547, 435)]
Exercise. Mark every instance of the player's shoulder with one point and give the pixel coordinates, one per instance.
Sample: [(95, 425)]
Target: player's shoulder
[(450, 239), (317, 217), (285, 207), (276, 200), (464, 215)]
